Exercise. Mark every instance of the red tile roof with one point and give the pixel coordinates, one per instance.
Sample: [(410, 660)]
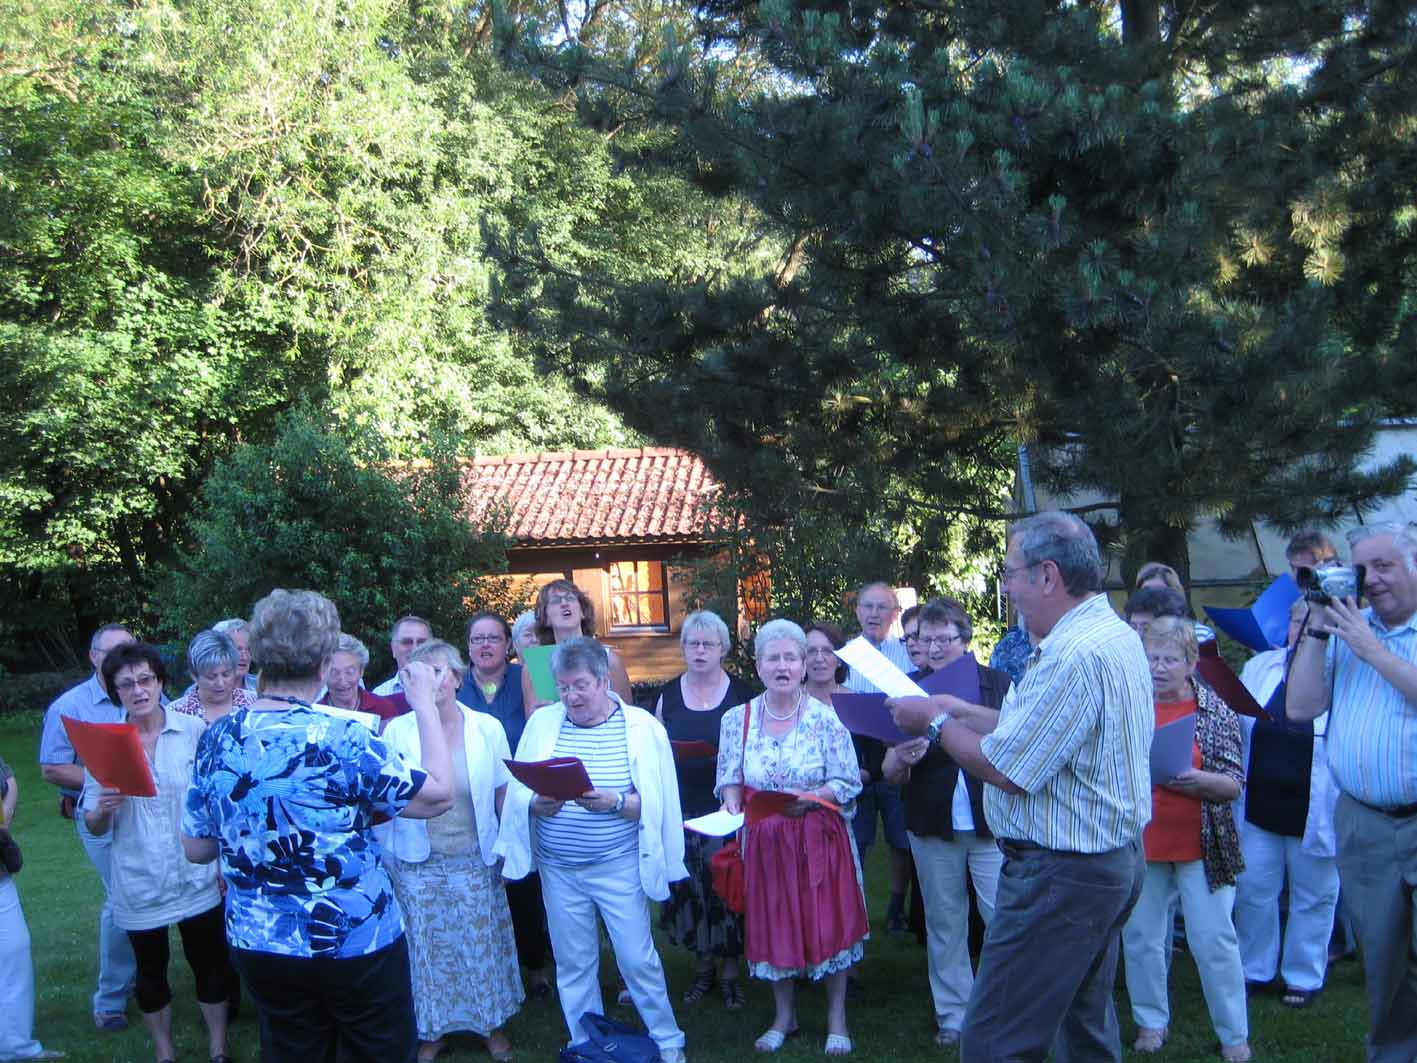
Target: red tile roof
[(647, 494)]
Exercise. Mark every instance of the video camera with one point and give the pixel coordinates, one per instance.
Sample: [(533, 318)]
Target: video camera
[(1322, 585)]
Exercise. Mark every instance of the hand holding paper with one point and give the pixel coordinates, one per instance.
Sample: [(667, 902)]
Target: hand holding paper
[(1171, 748), (764, 804), (113, 754), (876, 667), (867, 715), (561, 778), (718, 824)]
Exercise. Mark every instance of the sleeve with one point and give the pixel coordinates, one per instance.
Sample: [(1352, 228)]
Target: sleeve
[(1033, 743), (730, 750), (88, 796), (384, 778), (501, 753), (54, 745), (197, 818), (843, 770)]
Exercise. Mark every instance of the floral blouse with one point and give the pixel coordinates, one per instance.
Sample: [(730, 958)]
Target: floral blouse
[(817, 752), (190, 705), (289, 797)]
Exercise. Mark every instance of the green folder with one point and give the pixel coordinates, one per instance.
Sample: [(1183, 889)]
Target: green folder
[(538, 662)]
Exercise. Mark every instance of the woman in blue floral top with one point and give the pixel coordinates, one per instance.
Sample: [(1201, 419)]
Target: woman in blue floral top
[(286, 796)]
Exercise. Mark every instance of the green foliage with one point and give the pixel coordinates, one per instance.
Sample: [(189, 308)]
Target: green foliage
[(311, 509)]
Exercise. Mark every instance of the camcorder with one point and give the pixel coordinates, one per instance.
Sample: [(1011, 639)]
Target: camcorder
[(1323, 585)]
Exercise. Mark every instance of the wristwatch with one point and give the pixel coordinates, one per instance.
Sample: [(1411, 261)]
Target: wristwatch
[(933, 731), (1322, 636), (619, 802)]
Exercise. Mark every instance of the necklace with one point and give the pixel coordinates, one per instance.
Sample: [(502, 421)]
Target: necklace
[(767, 709)]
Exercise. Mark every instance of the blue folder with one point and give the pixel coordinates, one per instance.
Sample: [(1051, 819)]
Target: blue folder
[(1264, 625)]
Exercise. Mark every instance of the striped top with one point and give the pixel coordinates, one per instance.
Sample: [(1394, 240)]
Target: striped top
[(575, 837), (1075, 734), (895, 652), (1372, 729)]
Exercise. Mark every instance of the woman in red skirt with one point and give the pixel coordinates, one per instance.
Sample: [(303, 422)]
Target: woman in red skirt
[(806, 912)]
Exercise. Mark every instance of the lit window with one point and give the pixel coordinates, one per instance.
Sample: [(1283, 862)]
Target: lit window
[(638, 595)]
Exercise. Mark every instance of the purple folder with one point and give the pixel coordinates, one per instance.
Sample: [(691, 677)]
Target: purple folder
[(867, 715), (960, 678)]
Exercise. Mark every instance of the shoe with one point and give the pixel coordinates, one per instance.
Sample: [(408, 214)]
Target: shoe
[(703, 984), (733, 998), (1237, 1053), (672, 1055), (1149, 1039), (540, 988), (1298, 999), (772, 1040), (838, 1044), (110, 1021), (501, 1052), (946, 1038), (898, 924), (1255, 988), (223, 1058)]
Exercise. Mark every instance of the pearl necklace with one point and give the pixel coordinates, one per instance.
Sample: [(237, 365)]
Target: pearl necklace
[(767, 709)]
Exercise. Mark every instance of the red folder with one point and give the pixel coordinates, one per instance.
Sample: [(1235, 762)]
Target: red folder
[(1222, 679), (695, 750), (560, 778), (764, 804), (113, 755)]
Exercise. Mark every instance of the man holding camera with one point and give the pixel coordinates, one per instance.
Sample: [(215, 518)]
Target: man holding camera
[(1364, 662)]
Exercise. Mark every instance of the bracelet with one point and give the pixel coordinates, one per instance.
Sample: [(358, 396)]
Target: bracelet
[(1322, 636), (619, 802)]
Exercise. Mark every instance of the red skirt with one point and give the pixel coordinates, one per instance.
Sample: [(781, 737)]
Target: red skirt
[(804, 903)]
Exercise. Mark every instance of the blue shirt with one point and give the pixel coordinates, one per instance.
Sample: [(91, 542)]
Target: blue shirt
[(87, 702), (506, 704), (1372, 728), (290, 796)]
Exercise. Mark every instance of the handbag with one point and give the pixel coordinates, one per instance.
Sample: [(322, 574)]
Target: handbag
[(726, 865), (10, 858), (610, 1042)]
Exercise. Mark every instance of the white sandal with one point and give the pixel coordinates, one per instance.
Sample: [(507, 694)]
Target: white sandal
[(772, 1040), (838, 1044)]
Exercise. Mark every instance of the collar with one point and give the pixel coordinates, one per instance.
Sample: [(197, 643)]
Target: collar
[(98, 695), (1375, 622), (1078, 614)]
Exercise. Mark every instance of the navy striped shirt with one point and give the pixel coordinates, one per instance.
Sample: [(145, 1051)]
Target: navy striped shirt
[(575, 837)]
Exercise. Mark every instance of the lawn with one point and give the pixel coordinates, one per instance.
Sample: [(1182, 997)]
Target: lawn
[(891, 1021)]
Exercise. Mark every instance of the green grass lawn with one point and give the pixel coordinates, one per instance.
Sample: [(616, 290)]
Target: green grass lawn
[(891, 1021)]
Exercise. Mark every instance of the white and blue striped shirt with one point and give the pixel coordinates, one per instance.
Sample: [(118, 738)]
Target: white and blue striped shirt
[(894, 651), (577, 837), (1372, 728)]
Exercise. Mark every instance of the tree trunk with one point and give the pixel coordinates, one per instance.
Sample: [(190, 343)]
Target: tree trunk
[(1141, 22), (1143, 543)]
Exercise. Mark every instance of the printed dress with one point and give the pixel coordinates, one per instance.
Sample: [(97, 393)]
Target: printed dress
[(806, 906)]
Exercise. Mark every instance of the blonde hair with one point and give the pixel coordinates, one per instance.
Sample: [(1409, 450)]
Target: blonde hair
[(1174, 631), (1167, 574)]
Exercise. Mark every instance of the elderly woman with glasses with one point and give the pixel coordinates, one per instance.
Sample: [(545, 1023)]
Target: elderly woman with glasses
[(213, 660), (152, 885), (343, 674), (460, 941), (608, 852), (691, 708), (1192, 849), (806, 911), (565, 612)]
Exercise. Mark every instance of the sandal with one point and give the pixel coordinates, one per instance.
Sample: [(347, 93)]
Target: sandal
[(1237, 1053), (838, 1044), (1298, 999), (772, 1040), (703, 982), (1149, 1039), (733, 998)]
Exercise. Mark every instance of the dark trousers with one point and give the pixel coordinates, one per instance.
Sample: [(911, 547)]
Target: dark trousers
[(310, 1006), (204, 945), (528, 921), (1050, 957)]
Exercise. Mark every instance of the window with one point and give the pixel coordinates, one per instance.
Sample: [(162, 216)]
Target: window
[(639, 596)]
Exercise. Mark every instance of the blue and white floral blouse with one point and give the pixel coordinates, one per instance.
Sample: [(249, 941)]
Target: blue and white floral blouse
[(290, 797)]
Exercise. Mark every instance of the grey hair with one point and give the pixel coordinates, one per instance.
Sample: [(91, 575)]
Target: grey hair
[(351, 645), (410, 619), (292, 632), (521, 623), (1066, 541), (581, 654), (706, 620), (948, 611), (1175, 631), (1403, 537), (231, 626), (869, 584), (438, 648), (98, 635), (211, 649), (779, 629)]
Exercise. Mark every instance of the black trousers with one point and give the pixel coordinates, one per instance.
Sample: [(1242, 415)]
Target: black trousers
[(204, 945), (318, 1009), (529, 921)]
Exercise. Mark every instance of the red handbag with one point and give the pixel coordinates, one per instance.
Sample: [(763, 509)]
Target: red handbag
[(726, 865)]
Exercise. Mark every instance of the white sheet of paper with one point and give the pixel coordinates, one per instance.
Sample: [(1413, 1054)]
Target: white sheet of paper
[(877, 667), (368, 719), (1171, 749), (718, 824)]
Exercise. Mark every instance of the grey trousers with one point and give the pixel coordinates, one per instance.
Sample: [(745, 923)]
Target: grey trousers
[(1050, 957), (1377, 863)]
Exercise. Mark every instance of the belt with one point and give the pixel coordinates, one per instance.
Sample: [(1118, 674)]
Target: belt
[(1395, 811)]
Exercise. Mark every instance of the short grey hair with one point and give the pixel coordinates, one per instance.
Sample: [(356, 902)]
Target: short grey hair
[(211, 649), (98, 635), (292, 632), (231, 626), (581, 654), (706, 620), (438, 648), (521, 623), (948, 611), (1403, 537), (410, 619), (351, 645), (1174, 631), (780, 629), (1066, 541)]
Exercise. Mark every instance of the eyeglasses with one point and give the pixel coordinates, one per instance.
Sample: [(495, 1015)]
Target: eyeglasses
[(938, 640), (1010, 573), (126, 686), (580, 686), (485, 640), (877, 607), (909, 636), (562, 599), (700, 644)]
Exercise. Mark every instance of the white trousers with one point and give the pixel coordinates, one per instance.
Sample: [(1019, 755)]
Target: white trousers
[(611, 888), (1210, 936), (945, 868), (16, 978), (1313, 895)]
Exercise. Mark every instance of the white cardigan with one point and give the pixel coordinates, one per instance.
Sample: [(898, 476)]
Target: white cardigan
[(484, 742), (661, 827)]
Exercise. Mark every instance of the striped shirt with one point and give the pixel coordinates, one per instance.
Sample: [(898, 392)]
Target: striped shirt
[(1372, 729), (1075, 735), (895, 652), (574, 836)]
